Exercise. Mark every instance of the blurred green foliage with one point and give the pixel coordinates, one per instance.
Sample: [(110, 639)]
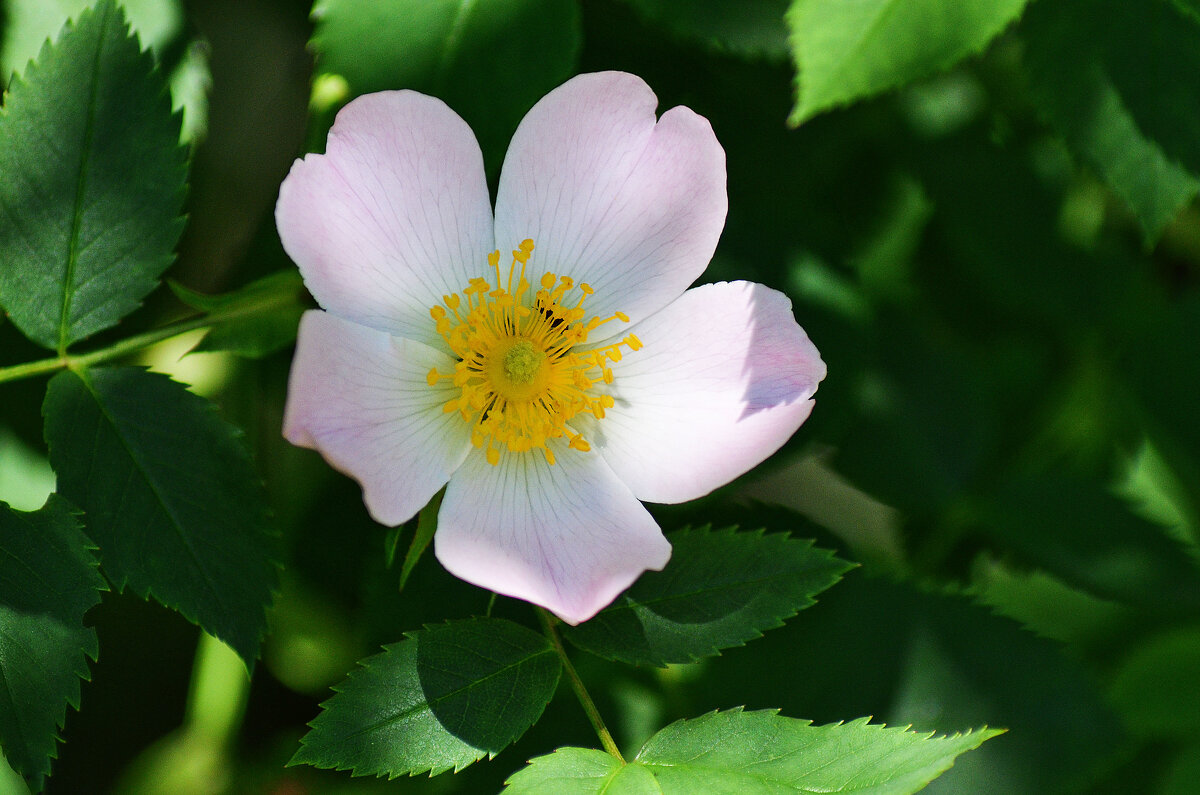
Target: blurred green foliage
[(1000, 263)]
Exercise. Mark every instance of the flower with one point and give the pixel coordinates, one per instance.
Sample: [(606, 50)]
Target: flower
[(552, 391)]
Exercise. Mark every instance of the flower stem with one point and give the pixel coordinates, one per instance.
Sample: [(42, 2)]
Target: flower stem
[(137, 342), (585, 699)]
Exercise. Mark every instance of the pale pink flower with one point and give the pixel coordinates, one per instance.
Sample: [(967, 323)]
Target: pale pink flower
[(552, 390)]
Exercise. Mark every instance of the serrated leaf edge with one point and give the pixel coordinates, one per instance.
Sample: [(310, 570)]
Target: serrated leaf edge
[(364, 665), (799, 114), (83, 672), (268, 528), (783, 536)]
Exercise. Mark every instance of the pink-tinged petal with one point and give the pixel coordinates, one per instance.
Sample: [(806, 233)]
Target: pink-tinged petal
[(569, 537), (611, 198), (394, 215), (360, 397), (724, 377)]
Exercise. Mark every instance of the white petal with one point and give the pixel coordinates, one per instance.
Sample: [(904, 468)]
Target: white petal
[(394, 215), (609, 197), (723, 380), (360, 397), (569, 537)]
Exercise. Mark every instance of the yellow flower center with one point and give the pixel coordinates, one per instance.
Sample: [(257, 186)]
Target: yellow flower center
[(522, 370)]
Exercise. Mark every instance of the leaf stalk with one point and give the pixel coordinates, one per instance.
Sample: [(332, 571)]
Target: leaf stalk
[(138, 342), (585, 698)]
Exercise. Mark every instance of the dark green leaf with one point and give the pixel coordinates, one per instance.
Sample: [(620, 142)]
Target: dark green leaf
[(489, 60), (738, 751), (933, 660), (1072, 78), (721, 589), (169, 494), (1154, 687), (426, 526), (1160, 365), (254, 320), (1152, 50), (748, 27), (444, 698), (845, 52), (91, 182), (1189, 7), (48, 580), (1078, 531)]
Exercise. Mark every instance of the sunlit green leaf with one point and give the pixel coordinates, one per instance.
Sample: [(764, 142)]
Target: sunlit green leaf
[(490, 60), (1072, 78), (581, 771), (721, 588), (169, 494), (48, 580), (91, 182), (757, 752), (446, 697), (845, 52), (254, 320)]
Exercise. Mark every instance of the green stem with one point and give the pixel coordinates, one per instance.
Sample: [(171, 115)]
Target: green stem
[(585, 699), (218, 692), (140, 341)]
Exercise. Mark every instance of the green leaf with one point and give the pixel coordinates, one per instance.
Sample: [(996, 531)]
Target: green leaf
[(1189, 7), (1161, 369), (1072, 78), (490, 60), (91, 182), (26, 479), (934, 660), (845, 52), (759, 752), (720, 589), (749, 28), (426, 526), (31, 22), (581, 771), (1077, 530), (48, 580), (444, 698), (1154, 686), (1152, 49), (253, 321), (169, 494)]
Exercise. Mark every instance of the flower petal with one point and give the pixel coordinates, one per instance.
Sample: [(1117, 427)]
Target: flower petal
[(724, 378), (609, 197), (568, 536), (394, 215), (360, 397)]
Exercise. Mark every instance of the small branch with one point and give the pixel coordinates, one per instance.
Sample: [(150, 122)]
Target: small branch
[(585, 699), (138, 342)]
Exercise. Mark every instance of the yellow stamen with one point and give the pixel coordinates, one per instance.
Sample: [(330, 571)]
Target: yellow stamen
[(521, 375)]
